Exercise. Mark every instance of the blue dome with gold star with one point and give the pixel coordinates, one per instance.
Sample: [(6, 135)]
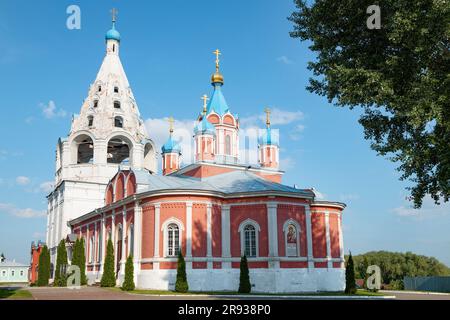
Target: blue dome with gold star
[(171, 146), (268, 138), (204, 126)]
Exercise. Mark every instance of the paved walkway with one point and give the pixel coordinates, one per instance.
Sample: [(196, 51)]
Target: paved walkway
[(97, 293)]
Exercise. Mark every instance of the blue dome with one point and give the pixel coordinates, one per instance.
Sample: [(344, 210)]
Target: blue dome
[(268, 138), (204, 126), (170, 146), (113, 34)]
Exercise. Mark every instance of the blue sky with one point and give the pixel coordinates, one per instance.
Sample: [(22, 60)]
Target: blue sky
[(166, 50)]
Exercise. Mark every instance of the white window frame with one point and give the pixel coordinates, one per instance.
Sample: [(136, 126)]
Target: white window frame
[(164, 227), (285, 231), (242, 235)]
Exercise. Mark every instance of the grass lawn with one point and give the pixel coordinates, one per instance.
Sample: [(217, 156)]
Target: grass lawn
[(165, 292), (14, 293)]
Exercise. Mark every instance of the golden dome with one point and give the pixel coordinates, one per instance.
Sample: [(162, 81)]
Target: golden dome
[(217, 77)]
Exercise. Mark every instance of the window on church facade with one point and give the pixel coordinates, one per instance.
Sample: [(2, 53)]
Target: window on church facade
[(118, 151), (95, 103), (227, 145), (118, 122), (99, 88), (116, 104), (116, 89), (250, 241), (173, 240), (90, 121)]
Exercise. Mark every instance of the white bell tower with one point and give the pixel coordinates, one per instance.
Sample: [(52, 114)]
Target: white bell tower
[(107, 134)]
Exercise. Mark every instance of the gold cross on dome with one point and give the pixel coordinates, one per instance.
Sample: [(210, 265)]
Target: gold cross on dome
[(217, 53), (114, 13), (171, 121), (267, 111), (205, 99)]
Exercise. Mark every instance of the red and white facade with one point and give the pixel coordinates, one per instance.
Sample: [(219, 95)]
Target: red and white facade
[(214, 210)]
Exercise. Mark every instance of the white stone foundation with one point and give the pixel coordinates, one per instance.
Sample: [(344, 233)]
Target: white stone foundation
[(263, 280)]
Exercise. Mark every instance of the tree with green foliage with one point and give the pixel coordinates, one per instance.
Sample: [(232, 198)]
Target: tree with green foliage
[(398, 75), (108, 276), (395, 266), (82, 261), (181, 285), (79, 260), (244, 277), (44, 267), (350, 283), (61, 265), (128, 283)]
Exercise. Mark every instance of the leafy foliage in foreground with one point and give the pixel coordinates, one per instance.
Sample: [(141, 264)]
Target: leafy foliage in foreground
[(399, 75)]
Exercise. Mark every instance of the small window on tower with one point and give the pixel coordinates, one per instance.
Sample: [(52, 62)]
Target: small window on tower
[(117, 104), (95, 103), (99, 88), (116, 89), (90, 121), (118, 122)]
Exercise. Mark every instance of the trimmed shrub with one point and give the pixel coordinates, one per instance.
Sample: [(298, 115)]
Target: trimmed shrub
[(350, 283), (61, 265), (44, 267), (128, 283), (108, 276), (181, 285), (244, 278)]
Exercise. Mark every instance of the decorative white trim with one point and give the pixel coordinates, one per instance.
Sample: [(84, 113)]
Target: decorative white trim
[(208, 233), (156, 234), (188, 230), (309, 238), (272, 225), (226, 251), (327, 234), (298, 232)]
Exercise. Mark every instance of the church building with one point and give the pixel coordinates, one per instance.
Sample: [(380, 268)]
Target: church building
[(214, 210)]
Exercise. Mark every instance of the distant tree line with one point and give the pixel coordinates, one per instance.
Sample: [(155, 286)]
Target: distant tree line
[(396, 265)]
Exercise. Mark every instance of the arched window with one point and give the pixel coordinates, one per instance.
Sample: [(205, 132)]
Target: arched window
[(173, 240), (250, 241), (291, 230), (249, 230), (116, 90), (118, 122), (119, 151), (90, 121), (227, 144), (117, 103), (95, 103), (82, 149)]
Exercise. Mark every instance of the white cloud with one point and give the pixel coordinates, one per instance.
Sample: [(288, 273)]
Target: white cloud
[(46, 186), (295, 133), (21, 213), (51, 111), (349, 197), (158, 129), (22, 180), (287, 163), (285, 60), (277, 117), (319, 195), (38, 235), (429, 209)]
